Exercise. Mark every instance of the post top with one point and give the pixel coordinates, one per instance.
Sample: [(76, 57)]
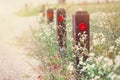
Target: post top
[(50, 9), (61, 9), (81, 13)]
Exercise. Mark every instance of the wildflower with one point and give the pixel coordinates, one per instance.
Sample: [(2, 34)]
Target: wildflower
[(96, 42), (103, 40), (117, 41), (101, 35), (111, 48), (112, 75), (107, 62), (93, 65), (99, 59), (89, 59), (94, 35), (118, 77), (110, 62), (70, 67), (98, 38), (92, 54), (101, 17), (97, 78), (71, 39), (117, 62), (118, 53)]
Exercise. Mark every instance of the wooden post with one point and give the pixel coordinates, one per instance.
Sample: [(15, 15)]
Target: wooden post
[(82, 26), (50, 15), (81, 35), (61, 29)]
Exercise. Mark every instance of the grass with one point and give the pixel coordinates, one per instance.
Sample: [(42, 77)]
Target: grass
[(104, 33), (70, 8), (27, 11)]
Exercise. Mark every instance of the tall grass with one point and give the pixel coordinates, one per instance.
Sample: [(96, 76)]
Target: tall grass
[(103, 63)]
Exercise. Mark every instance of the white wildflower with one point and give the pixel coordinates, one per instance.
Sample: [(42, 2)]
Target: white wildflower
[(95, 35), (111, 48), (107, 62), (106, 59), (98, 38), (93, 65), (81, 62), (101, 35), (88, 66), (113, 76), (96, 42), (100, 17), (104, 66), (71, 39), (118, 77), (103, 40), (100, 72), (84, 68), (70, 67), (117, 41), (89, 59), (118, 53), (92, 54), (110, 62), (97, 78), (99, 59), (117, 62)]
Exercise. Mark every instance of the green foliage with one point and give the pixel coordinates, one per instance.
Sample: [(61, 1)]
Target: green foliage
[(91, 8), (28, 10), (105, 43)]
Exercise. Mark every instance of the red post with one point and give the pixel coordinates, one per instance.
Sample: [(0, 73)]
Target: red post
[(81, 26), (50, 15), (81, 36), (61, 28)]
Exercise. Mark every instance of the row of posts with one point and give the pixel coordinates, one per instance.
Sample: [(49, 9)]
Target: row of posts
[(80, 30)]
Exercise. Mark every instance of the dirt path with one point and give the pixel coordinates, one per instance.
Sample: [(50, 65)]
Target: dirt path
[(13, 63)]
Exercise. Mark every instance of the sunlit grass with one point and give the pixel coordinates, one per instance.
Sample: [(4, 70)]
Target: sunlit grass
[(28, 11), (70, 8), (104, 39)]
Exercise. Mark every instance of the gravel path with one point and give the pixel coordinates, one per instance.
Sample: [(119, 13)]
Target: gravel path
[(13, 63)]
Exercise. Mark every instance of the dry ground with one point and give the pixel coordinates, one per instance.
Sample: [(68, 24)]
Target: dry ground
[(13, 63)]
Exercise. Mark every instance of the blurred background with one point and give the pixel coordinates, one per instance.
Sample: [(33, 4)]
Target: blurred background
[(28, 45)]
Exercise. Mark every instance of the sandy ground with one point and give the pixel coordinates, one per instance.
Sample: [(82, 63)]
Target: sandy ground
[(13, 63)]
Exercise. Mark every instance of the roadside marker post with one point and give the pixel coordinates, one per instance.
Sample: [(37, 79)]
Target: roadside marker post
[(81, 36), (50, 15), (61, 30), (81, 26)]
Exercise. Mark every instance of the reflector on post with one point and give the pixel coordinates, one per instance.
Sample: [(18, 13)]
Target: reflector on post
[(82, 27), (61, 29)]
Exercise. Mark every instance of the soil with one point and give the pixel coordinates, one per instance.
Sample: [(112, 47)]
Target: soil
[(14, 65)]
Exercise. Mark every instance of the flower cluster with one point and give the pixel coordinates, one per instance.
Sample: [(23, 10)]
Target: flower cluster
[(100, 67), (96, 67), (98, 39), (100, 17), (117, 41)]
